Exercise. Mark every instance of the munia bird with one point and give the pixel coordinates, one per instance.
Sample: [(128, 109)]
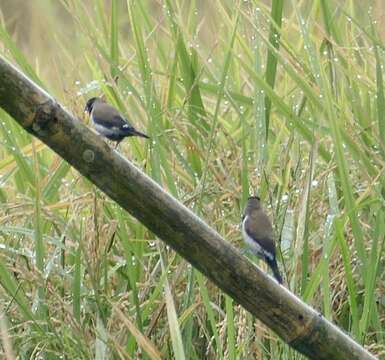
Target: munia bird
[(109, 122), (258, 234)]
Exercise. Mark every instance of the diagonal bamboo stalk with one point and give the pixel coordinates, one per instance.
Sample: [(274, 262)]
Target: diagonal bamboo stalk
[(294, 321)]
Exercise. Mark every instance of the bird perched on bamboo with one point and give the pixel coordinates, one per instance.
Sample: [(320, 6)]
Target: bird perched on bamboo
[(258, 234), (109, 122)]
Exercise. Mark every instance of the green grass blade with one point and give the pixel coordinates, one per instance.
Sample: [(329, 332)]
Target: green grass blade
[(272, 61), (76, 286), (330, 21), (380, 94), (372, 272), (114, 41), (231, 347), (175, 333), (336, 133), (349, 275), (210, 314), (19, 56), (38, 237), (15, 291), (10, 139), (51, 187), (197, 112)]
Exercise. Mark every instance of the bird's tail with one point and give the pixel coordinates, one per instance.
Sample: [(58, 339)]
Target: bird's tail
[(273, 265), (138, 133)]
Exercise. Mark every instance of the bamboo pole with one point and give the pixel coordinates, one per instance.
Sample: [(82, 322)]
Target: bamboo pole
[(295, 322)]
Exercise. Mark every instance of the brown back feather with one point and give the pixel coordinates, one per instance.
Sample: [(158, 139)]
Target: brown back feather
[(106, 113), (258, 227)]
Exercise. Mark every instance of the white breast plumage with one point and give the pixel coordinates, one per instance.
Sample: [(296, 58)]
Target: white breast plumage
[(253, 245), (255, 248)]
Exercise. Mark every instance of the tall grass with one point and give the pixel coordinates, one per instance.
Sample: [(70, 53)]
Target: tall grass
[(238, 98)]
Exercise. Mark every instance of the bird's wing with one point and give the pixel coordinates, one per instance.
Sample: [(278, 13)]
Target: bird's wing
[(260, 230), (123, 124), (107, 116)]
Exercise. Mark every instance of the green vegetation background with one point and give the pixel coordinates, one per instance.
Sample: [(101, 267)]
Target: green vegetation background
[(228, 115)]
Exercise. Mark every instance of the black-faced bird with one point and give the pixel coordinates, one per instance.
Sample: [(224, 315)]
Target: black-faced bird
[(258, 234), (109, 122)]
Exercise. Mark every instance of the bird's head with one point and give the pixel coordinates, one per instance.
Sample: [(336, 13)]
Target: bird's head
[(253, 203), (90, 104)]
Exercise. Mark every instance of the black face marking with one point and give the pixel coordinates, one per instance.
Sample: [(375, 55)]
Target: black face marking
[(90, 104), (109, 122), (254, 197)]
